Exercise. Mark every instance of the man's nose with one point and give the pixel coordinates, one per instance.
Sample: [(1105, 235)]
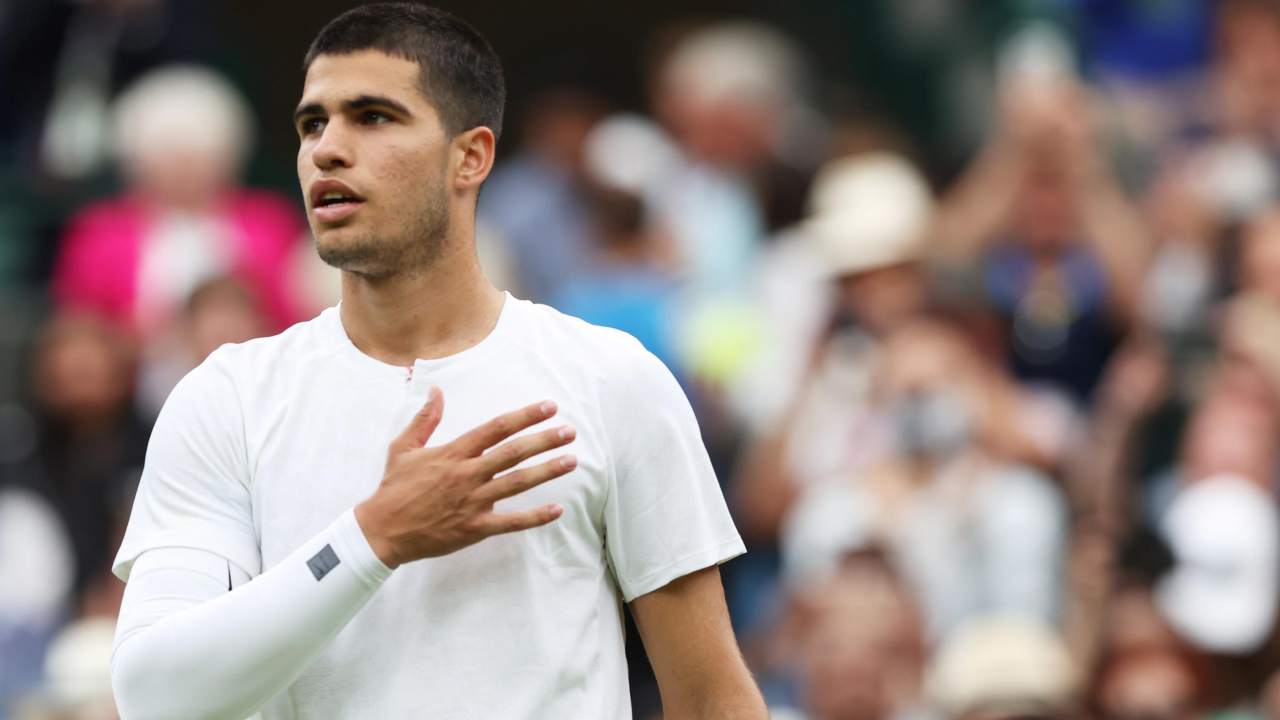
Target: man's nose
[(334, 147)]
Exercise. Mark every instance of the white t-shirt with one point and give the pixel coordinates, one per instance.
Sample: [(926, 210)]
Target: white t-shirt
[(267, 442)]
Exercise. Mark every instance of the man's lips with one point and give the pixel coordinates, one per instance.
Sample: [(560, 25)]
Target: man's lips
[(334, 212)]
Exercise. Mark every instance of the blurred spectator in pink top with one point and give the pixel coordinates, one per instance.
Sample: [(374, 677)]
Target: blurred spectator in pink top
[(182, 136)]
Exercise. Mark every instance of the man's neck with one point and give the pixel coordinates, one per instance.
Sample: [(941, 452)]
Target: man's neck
[(432, 313)]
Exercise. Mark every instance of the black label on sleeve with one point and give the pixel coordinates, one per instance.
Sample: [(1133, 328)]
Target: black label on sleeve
[(322, 562)]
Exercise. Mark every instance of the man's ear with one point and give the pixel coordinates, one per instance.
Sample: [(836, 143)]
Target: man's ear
[(473, 157)]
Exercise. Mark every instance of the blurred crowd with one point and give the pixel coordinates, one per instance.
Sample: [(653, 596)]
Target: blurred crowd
[(1001, 434)]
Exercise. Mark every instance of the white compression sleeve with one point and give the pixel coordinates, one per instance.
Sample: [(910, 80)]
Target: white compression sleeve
[(173, 658)]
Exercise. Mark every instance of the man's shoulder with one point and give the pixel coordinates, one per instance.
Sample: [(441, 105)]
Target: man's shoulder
[(577, 340), (619, 367), (260, 358)]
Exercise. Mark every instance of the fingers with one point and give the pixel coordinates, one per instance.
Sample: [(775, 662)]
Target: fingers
[(514, 452), (422, 425), (499, 523), (517, 482), (502, 427)]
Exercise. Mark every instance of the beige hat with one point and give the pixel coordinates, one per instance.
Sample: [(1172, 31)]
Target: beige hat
[(868, 211), (1002, 664)]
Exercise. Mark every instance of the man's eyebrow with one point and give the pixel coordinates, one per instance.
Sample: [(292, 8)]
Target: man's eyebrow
[(359, 102), (364, 101), (308, 109)]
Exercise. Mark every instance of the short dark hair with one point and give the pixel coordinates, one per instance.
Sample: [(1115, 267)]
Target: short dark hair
[(459, 72)]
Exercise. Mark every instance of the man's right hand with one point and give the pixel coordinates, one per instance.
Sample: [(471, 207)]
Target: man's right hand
[(435, 501)]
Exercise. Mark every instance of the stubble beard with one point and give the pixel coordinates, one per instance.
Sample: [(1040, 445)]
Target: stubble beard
[(412, 247)]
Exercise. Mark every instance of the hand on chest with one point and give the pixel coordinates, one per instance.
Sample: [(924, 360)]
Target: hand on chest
[(325, 453)]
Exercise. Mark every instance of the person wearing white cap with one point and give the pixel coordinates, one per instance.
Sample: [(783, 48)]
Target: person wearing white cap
[(1224, 530), (830, 288), (970, 528), (902, 433)]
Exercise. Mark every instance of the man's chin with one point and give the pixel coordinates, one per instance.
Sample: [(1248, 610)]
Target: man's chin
[(331, 230), (350, 254)]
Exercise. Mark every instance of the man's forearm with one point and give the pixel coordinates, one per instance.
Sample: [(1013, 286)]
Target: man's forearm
[(742, 703), (224, 656), (737, 698)]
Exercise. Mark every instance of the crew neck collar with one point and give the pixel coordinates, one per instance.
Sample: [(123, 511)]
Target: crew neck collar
[(333, 322)]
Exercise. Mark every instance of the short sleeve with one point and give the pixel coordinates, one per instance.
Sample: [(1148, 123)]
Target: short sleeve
[(194, 490), (665, 515)]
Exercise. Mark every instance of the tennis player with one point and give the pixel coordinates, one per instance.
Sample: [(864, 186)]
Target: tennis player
[(431, 500)]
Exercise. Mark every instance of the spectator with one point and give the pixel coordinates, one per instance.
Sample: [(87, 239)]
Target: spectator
[(65, 483), (855, 641), (835, 286), (1212, 595), (535, 202), (735, 96), (220, 310), (89, 442), (728, 94), (1042, 220), (623, 287), (183, 135), (973, 531), (1224, 528)]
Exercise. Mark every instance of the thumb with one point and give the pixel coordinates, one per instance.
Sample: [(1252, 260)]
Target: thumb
[(424, 422)]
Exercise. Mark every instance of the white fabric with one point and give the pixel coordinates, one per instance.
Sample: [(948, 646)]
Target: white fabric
[(838, 429), (181, 251), (173, 657), (793, 303), (33, 585), (979, 538), (1224, 532), (77, 678), (259, 448)]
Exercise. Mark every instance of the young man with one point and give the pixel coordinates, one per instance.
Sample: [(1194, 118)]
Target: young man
[(372, 595)]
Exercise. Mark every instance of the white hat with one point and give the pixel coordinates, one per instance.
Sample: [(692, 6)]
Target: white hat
[(1236, 178), (35, 584), (1221, 594), (1005, 664), (630, 152), (868, 211)]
